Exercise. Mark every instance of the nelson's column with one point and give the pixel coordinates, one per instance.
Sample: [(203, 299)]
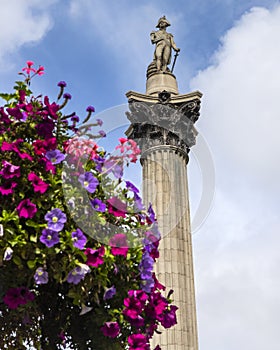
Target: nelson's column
[(162, 122)]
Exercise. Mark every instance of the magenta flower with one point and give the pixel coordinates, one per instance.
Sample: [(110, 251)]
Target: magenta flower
[(98, 205), (79, 239), (118, 244), (17, 296), (49, 237), (116, 207), (26, 209), (62, 84), (88, 181), (55, 156), (9, 170), (55, 219), (95, 256), (168, 318), (77, 274), (67, 96), (38, 184), (29, 68), (111, 329), (41, 276), (109, 293), (90, 109), (138, 341), (7, 188)]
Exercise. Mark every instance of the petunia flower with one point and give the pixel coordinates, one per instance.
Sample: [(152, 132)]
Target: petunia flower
[(109, 293), (98, 205), (41, 276), (77, 274), (38, 184), (138, 341), (55, 156), (116, 207), (26, 209), (8, 254), (7, 188), (55, 219), (95, 256), (111, 329), (9, 170), (18, 296), (88, 181), (79, 239), (49, 237), (119, 244)]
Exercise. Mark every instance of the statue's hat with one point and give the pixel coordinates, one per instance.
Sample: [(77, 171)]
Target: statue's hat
[(163, 19)]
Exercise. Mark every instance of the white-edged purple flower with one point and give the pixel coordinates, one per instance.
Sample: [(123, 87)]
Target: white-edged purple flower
[(98, 205), (49, 237), (8, 254), (56, 219), (55, 156), (109, 293), (78, 273), (88, 181), (41, 276), (79, 239)]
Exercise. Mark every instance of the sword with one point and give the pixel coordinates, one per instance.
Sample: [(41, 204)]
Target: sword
[(175, 58)]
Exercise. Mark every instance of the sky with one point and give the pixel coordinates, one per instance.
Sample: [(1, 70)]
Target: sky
[(230, 51)]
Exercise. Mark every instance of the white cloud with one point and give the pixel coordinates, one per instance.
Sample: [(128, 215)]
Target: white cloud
[(22, 22), (237, 250)]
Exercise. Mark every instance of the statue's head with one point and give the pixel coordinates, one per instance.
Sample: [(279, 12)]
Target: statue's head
[(163, 22)]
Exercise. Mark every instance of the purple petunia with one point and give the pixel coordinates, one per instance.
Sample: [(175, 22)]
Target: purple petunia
[(98, 205), (55, 219), (88, 181), (77, 274), (41, 276), (131, 187), (55, 156), (79, 239), (109, 293), (49, 237)]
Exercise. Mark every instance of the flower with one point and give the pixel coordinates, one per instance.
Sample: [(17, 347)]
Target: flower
[(49, 237), (67, 96), (9, 170), (168, 318), (111, 329), (55, 156), (116, 207), (17, 296), (41, 276), (26, 209), (98, 205), (99, 122), (29, 68), (131, 187), (79, 239), (88, 181), (102, 133), (90, 109), (118, 244), (138, 341), (77, 274), (109, 293), (95, 256), (40, 70), (7, 188), (55, 219), (38, 184), (8, 254), (61, 84)]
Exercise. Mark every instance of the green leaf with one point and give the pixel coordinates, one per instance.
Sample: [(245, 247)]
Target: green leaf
[(31, 264)]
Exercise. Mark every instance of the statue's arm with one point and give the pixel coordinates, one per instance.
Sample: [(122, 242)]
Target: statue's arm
[(173, 45)]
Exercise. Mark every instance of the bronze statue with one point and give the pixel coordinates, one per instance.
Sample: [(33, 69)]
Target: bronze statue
[(164, 44)]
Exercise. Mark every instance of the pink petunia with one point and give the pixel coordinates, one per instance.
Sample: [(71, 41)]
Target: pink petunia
[(26, 209), (119, 244), (38, 184), (7, 188), (95, 256)]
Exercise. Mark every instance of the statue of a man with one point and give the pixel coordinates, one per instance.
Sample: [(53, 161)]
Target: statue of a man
[(164, 43)]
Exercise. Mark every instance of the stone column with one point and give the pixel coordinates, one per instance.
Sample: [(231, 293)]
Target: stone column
[(163, 127)]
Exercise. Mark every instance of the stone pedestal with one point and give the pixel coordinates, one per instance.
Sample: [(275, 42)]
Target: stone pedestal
[(162, 123)]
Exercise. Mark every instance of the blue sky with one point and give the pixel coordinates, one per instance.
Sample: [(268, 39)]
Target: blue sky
[(230, 50)]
